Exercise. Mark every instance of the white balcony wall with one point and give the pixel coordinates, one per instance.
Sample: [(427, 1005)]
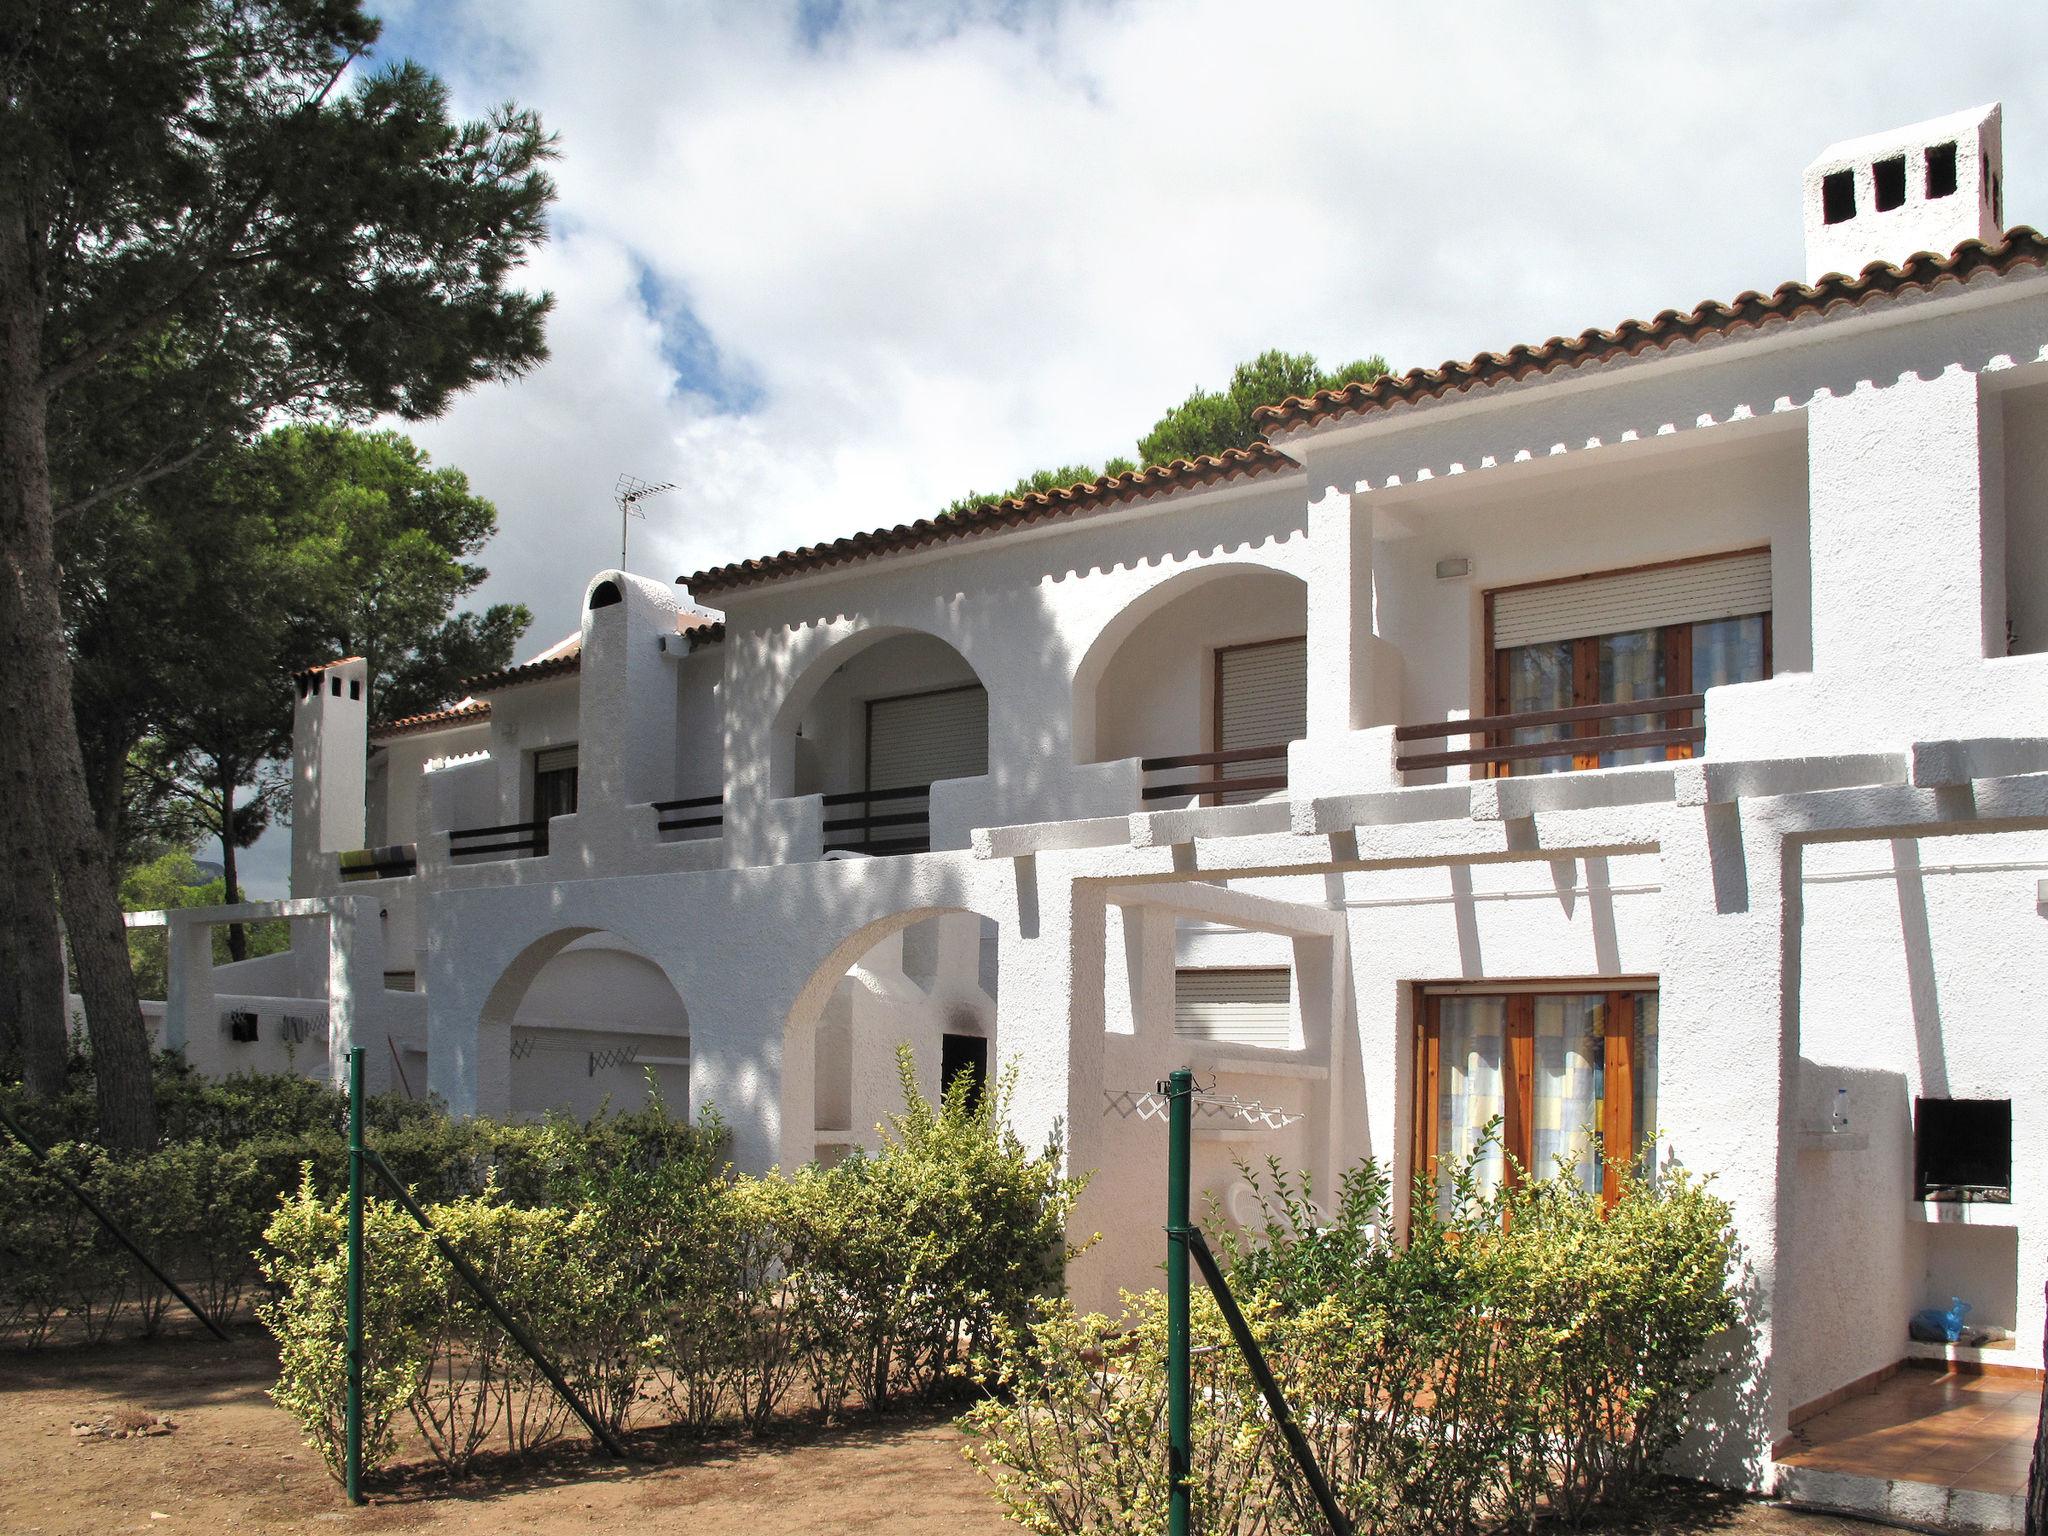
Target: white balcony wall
[(399, 803), (1022, 612), (526, 719), (1640, 508)]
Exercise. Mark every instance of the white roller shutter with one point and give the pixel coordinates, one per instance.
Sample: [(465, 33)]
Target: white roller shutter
[(1261, 701), (1607, 605), (1262, 694), (923, 737), (1237, 1007)]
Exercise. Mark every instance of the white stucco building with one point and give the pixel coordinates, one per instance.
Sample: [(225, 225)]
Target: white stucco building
[(1646, 730)]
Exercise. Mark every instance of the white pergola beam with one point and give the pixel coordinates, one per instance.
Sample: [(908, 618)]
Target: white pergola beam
[(1213, 903)]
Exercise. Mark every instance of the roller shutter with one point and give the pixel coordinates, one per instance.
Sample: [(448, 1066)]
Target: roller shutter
[(1632, 600), (923, 737), (1261, 700), (1237, 1007)]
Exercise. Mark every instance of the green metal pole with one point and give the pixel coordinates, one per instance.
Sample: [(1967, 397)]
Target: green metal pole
[(353, 1416), (1180, 1088)]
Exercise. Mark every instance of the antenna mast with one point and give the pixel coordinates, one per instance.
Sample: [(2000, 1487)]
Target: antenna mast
[(630, 491)]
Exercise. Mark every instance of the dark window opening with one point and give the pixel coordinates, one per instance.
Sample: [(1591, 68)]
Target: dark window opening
[(242, 1027), (355, 688), (1838, 197), (1941, 170), (1962, 1149), (1889, 177), (968, 1055), (604, 594), (334, 686), (554, 791)]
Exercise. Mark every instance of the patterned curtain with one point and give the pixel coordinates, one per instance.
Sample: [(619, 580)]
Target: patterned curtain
[(1570, 1055), (1469, 1088)]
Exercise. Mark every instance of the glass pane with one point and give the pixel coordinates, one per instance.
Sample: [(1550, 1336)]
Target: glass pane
[(1472, 1042), (1631, 667), (1539, 677), (1727, 651), (1568, 1092), (1646, 1077)]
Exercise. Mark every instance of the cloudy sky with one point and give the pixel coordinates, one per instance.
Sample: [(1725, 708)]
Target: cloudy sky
[(828, 264)]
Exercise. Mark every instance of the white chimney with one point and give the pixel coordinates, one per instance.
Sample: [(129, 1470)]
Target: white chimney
[(330, 745), (1929, 187)]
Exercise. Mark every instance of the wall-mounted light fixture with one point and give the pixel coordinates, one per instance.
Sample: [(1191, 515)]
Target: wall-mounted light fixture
[(1453, 567)]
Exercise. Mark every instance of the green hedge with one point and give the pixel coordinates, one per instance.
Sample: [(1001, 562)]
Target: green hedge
[(1532, 1357), (234, 1148), (672, 1291)]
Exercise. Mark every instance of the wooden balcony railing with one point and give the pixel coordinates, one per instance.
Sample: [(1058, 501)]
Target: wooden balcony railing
[(900, 831), (704, 815), (1216, 784), (1585, 743), (517, 837)]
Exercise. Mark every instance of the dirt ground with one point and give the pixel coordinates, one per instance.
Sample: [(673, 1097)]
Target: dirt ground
[(234, 1462)]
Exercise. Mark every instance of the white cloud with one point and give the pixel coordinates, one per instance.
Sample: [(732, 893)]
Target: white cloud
[(944, 247)]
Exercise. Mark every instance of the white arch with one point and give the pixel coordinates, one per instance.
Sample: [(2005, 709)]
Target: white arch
[(514, 985), (818, 670), (808, 1008), (1129, 619)]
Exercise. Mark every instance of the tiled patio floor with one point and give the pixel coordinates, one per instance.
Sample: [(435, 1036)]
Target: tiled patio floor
[(1959, 1431)]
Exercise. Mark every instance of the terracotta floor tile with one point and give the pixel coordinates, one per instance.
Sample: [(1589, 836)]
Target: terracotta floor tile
[(1962, 1431)]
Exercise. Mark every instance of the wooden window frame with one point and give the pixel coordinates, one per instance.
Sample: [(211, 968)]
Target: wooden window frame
[(1215, 731), (1518, 1072), (1674, 639)]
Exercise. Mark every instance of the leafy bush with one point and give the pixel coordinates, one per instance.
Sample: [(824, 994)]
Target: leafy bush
[(667, 1286), (1533, 1354)]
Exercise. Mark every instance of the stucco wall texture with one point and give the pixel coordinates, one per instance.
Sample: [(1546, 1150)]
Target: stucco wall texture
[(1843, 888)]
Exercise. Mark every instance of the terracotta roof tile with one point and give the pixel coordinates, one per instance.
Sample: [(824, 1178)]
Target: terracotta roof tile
[(468, 712), (2020, 247), (526, 672), (997, 516)]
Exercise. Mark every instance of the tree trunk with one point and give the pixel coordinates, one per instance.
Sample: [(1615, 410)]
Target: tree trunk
[(2037, 1475), (35, 704), (231, 890), (31, 948)]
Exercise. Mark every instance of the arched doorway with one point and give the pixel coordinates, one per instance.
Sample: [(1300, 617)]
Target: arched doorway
[(585, 1021), (925, 979)]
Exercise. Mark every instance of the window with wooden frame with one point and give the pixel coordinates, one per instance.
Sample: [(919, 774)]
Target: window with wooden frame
[(1611, 637), (1260, 700), (1569, 1071)]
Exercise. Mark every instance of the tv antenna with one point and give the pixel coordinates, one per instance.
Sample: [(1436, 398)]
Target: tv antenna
[(630, 491)]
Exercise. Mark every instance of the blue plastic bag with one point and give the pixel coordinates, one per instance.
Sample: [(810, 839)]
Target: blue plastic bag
[(1934, 1326)]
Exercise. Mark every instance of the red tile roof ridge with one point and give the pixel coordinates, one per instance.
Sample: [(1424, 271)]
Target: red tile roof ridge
[(2020, 246), (526, 672), (998, 516), (467, 712)]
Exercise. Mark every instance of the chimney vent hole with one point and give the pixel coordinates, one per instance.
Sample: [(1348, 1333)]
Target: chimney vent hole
[(1838, 197), (1941, 170), (604, 594), (1889, 177)]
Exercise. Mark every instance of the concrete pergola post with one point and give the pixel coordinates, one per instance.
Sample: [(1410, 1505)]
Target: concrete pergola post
[(355, 985), (191, 1016), (1728, 899)]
